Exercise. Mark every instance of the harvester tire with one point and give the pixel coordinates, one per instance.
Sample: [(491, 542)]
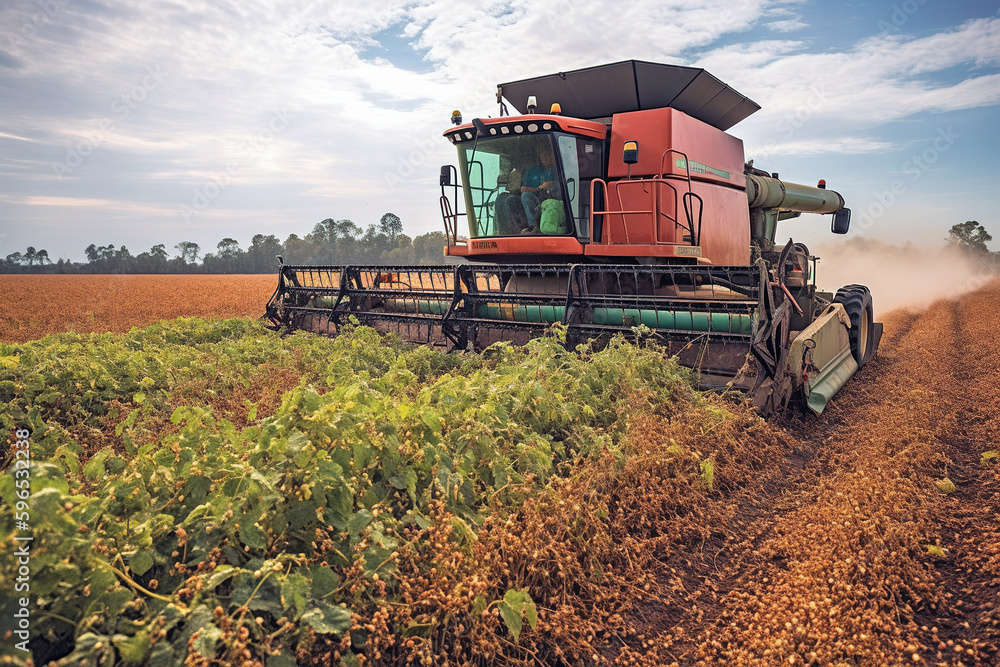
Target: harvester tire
[(857, 301)]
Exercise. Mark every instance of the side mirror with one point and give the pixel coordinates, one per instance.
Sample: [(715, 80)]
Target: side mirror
[(841, 221), (445, 175)]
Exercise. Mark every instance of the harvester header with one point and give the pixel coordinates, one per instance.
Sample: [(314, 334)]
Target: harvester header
[(625, 204)]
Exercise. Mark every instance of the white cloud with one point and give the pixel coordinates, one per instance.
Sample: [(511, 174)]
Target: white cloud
[(365, 119), (785, 19), (816, 102)]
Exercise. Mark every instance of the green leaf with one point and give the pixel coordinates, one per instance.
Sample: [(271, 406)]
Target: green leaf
[(162, 655), (221, 574), (197, 488), (937, 551), (432, 419), (326, 618), (478, 605), (351, 659), (283, 659), (250, 534), (303, 458), (406, 480), (707, 474), (208, 637), (141, 562), (139, 397), (294, 592), (512, 617), (531, 613), (324, 581), (515, 604), (359, 521), (95, 466), (133, 650), (946, 485)]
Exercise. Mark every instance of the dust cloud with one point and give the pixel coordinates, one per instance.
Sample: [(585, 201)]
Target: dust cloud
[(906, 277)]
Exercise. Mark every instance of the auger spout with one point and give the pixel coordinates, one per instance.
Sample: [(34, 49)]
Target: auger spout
[(766, 192), (772, 200)]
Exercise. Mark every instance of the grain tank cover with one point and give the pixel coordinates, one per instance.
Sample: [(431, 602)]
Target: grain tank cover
[(634, 85)]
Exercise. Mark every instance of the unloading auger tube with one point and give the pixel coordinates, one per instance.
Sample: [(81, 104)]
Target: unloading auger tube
[(716, 320)]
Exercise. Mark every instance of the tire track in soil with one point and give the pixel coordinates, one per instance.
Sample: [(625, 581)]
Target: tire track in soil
[(969, 517), (833, 567)]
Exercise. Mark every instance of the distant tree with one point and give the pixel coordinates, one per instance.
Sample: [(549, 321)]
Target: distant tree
[(42, 257), (427, 248), (188, 251), (228, 248), (154, 260), (260, 254), (30, 255), (92, 254), (302, 251), (970, 236), (15, 258), (122, 261), (391, 226)]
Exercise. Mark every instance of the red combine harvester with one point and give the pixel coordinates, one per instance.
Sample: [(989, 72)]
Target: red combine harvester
[(626, 208)]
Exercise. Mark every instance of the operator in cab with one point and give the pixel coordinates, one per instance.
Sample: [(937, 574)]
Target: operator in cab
[(541, 197)]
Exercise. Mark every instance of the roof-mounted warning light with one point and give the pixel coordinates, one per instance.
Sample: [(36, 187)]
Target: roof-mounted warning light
[(630, 152), (555, 109), (456, 117), (822, 184), (532, 104)]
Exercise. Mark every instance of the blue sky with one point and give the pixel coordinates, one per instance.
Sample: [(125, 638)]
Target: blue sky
[(193, 120)]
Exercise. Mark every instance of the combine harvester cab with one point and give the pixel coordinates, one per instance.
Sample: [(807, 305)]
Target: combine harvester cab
[(625, 208)]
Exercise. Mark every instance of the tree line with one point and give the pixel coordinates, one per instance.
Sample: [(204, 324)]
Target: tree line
[(330, 242)]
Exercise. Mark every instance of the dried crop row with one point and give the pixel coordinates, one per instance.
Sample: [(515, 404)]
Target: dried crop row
[(848, 552), (35, 306), (872, 564)]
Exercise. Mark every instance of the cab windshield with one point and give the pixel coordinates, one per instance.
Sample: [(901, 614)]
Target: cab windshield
[(521, 184)]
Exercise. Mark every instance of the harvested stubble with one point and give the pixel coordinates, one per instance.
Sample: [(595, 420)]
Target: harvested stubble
[(33, 306)]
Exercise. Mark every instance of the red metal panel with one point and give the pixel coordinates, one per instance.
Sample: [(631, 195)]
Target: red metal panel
[(661, 251), (725, 231), (638, 199), (715, 156), (518, 245)]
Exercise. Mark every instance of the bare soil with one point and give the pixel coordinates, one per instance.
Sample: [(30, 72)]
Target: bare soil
[(847, 551)]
